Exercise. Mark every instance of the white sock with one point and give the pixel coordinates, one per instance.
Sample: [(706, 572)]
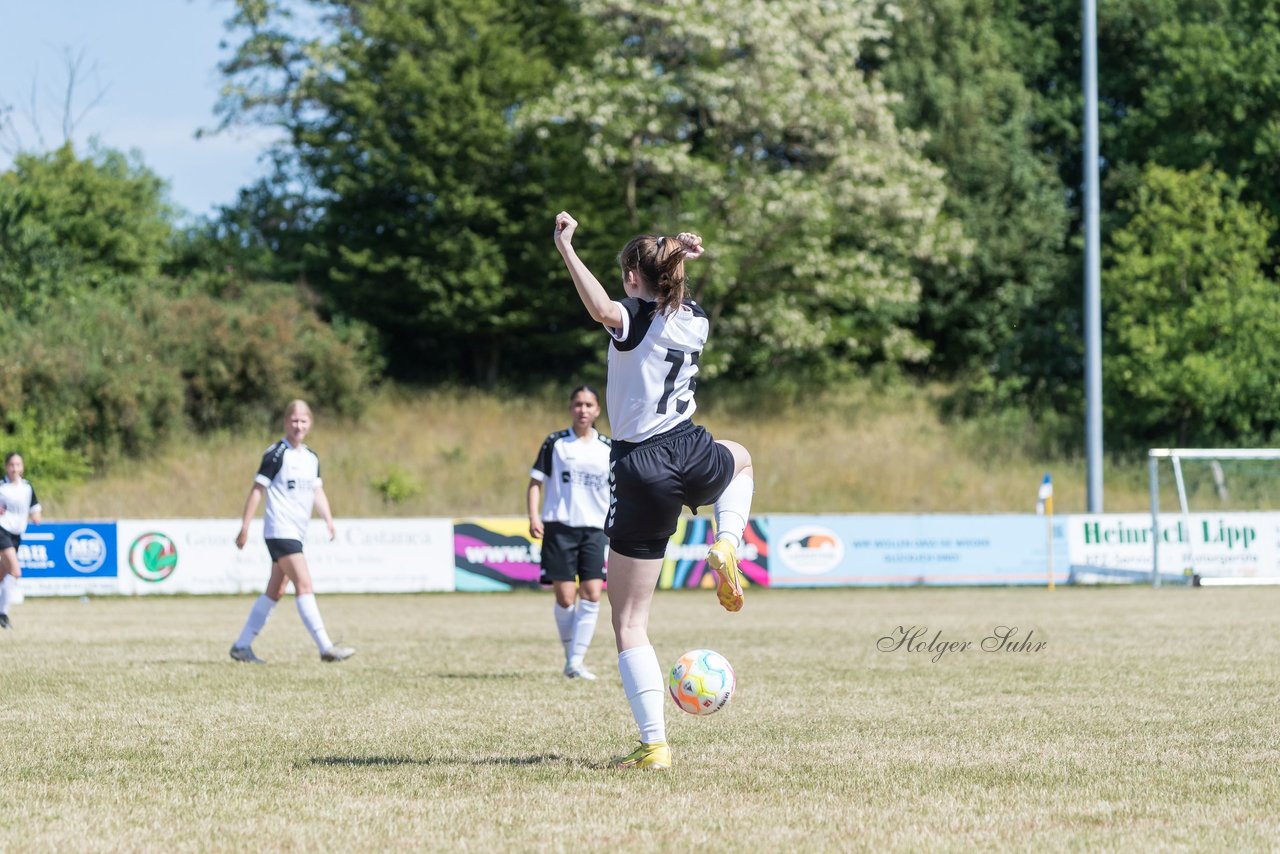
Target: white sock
[(584, 627), (733, 507), (258, 615), (564, 622), (310, 615), (8, 585), (642, 682)]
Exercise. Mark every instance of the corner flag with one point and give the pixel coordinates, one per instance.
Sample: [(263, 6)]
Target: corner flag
[(1044, 501)]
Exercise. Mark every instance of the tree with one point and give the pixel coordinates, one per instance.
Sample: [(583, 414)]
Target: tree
[(953, 63), (1207, 91), (755, 124), (398, 118), (261, 236), (1180, 82), (69, 106), (70, 224), (1191, 315)]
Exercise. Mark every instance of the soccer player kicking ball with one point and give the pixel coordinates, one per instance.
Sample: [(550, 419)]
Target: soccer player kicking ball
[(660, 460)]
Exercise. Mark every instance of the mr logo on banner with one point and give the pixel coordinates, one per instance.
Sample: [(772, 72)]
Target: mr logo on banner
[(68, 558)]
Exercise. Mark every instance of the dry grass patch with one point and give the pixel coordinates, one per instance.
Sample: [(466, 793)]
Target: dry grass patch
[(467, 453)]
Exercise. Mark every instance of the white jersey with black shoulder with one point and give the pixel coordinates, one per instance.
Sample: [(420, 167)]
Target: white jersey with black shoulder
[(653, 366), (291, 476), (575, 474), (20, 502)]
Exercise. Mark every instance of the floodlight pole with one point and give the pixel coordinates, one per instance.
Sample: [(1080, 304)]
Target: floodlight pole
[(1092, 264)]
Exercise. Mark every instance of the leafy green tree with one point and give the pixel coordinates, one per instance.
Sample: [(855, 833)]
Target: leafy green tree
[(1181, 83), (1207, 90), (953, 63), (1191, 315), (70, 225), (259, 237), (755, 125), (398, 119)]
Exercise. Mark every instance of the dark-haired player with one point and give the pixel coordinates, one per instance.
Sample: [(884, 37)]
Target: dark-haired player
[(573, 468), (660, 460), (18, 503)]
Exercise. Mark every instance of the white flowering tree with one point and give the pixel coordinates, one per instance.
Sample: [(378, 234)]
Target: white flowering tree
[(752, 122)]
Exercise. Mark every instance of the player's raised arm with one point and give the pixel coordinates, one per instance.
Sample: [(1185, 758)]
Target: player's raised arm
[(598, 304)]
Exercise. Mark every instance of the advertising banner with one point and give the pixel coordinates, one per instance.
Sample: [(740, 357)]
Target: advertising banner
[(1116, 547), (68, 559), (875, 550), (498, 554), (495, 554), (367, 556), (686, 561)]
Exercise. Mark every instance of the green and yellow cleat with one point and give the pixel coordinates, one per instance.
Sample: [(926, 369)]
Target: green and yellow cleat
[(723, 558), (655, 756)]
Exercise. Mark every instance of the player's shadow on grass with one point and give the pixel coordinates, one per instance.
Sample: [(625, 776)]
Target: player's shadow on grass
[(376, 761)]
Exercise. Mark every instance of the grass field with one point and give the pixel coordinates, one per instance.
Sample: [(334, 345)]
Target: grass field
[(1147, 722)]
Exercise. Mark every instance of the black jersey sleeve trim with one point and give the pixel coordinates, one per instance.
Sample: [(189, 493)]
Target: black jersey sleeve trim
[(272, 462), (543, 462), (699, 311), (640, 313)]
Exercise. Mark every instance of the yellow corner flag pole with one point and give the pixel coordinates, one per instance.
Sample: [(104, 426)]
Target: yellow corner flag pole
[(1045, 506), (1048, 514)]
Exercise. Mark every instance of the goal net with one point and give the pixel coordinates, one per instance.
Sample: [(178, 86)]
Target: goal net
[(1225, 529)]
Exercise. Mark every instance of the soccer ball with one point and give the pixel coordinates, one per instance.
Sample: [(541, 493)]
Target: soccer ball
[(701, 682)]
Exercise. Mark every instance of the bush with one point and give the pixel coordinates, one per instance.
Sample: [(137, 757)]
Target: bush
[(46, 453), (397, 487), (119, 379), (88, 364), (242, 360)]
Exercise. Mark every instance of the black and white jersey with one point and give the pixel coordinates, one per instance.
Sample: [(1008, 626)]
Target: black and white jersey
[(653, 363), (20, 501), (575, 474), (291, 476)]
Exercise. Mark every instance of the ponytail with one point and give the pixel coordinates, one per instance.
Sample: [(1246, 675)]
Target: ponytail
[(659, 260), (669, 282)]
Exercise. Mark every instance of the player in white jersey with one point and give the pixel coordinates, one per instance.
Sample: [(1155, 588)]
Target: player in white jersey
[(18, 503), (660, 460), (573, 465), (290, 477)]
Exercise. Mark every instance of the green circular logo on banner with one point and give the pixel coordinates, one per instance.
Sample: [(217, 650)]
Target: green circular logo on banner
[(153, 557)]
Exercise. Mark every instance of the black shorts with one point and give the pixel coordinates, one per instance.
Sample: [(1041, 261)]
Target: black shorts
[(651, 481), (9, 540), (280, 548), (572, 554)]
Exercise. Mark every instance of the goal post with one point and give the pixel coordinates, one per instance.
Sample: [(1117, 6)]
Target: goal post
[(1176, 456)]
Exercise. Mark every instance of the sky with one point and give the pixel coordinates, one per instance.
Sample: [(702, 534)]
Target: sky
[(155, 64)]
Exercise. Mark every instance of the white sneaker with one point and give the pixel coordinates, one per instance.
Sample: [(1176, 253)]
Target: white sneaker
[(337, 653), (579, 671)]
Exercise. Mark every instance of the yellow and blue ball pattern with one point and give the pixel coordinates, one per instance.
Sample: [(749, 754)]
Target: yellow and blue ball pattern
[(701, 682)]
